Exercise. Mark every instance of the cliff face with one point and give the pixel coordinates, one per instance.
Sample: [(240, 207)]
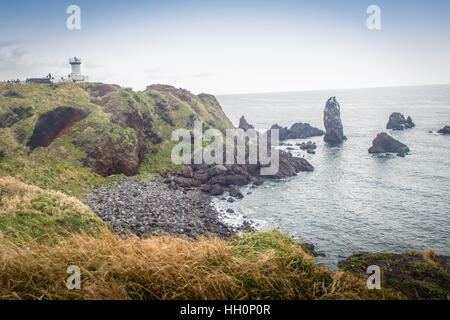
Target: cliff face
[(80, 131)]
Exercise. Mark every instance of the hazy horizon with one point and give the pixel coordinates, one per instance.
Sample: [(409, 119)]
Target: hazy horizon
[(233, 47)]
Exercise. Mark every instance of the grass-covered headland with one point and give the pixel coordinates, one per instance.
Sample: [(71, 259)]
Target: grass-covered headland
[(59, 141), (44, 232)]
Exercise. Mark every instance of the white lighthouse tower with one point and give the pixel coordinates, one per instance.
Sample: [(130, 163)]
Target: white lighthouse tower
[(76, 75)]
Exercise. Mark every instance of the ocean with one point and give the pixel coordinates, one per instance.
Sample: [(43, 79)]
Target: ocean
[(355, 201)]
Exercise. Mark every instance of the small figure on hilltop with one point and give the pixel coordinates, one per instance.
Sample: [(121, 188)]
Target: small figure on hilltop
[(397, 121), (332, 122)]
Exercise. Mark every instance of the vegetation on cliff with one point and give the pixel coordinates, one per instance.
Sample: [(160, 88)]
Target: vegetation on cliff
[(69, 137), (58, 141)]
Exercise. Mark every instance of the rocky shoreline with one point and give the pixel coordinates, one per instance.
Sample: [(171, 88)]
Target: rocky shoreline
[(152, 208)]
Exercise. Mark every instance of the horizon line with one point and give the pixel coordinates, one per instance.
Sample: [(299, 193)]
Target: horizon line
[(329, 89)]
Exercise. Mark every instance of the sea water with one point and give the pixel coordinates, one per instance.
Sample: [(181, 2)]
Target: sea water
[(355, 201)]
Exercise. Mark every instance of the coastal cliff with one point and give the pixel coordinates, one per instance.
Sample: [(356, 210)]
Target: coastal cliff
[(66, 154)]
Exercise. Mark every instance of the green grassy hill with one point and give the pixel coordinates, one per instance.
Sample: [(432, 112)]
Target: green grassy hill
[(87, 132)]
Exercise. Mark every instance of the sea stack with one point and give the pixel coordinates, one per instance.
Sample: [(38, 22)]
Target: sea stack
[(384, 143), (332, 122), (397, 121)]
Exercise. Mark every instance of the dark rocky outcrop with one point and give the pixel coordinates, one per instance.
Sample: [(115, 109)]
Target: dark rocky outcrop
[(217, 179), (307, 146), (289, 166), (303, 131), (384, 143), (53, 124), (244, 125), (445, 130), (417, 275), (282, 132), (297, 131), (332, 122), (397, 121)]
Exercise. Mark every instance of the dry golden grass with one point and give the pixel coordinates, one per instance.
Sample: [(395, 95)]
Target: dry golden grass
[(167, 267), (42, 232)]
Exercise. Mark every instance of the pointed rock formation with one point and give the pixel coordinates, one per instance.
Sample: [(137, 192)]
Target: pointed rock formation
[(332, 122), (244, 125), (397, 121), (445, 130), (384, 143)]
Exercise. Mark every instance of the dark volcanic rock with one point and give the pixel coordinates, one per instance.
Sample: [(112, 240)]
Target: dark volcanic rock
[(414, 274), (297, 131), (397, 121), (282, 132), (152, 208), (289, 166), (234, 192), (243, 124), (332, 122), (303, 131), (217, 179), (310, 249), (445, 130), (384, 143), (53, 124), (308, 146), (216, 190)]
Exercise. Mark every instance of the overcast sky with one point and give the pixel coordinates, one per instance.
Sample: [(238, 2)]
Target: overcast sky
[(230, 46)]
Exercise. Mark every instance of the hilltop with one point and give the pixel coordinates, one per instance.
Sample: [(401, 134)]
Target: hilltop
[(70, 137)]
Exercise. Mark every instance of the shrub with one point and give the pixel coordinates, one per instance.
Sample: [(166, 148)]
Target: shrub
[(12, 94)]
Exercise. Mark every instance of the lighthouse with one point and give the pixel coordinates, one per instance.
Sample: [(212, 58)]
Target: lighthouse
[(76, 75)]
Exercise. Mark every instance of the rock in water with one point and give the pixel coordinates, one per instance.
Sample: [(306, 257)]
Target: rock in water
[(307, 146), (282, 132), (445, 130), (303, 130), (397, 121), (244, 125), (297, 131), (332, 122), (384, 143)]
